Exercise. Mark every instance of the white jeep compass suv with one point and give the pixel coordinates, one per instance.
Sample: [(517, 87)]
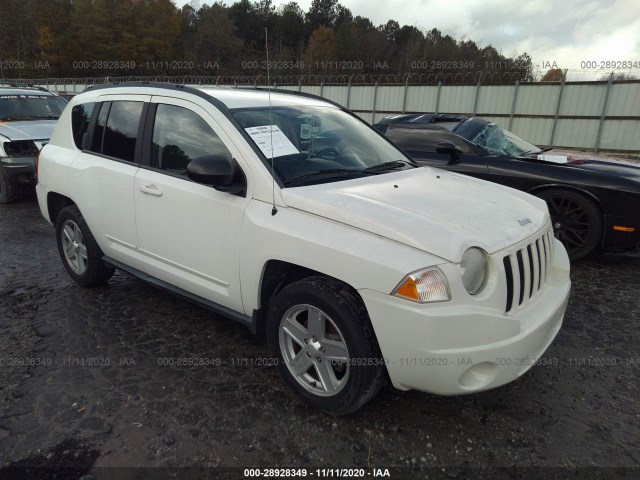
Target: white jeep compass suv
[(289, 214)]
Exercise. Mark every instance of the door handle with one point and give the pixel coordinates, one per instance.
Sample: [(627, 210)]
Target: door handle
[(150, 190)]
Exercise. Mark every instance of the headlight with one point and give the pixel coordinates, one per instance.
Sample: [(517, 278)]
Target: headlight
[(426, 285), (473, 268), (20, 148)]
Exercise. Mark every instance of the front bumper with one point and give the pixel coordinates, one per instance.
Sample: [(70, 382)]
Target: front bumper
[(19, 170), (451, 349)]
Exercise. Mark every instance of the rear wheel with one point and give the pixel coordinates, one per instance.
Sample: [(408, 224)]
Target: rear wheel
[(324, 344), (577, 221), (80, 254)]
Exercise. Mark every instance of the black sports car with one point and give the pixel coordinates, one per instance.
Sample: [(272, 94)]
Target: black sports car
[(593, 204)]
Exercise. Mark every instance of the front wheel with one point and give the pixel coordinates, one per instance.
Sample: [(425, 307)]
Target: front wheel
[(320, 333), (577, 221), (8, 191), (78, 249)]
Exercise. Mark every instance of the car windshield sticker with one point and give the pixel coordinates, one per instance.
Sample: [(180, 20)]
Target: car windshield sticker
[(265, 135), (554, 158)]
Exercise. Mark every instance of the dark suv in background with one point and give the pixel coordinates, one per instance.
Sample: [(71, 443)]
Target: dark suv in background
[(27, 118)]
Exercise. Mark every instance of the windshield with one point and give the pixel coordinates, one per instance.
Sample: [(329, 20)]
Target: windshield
[(318, 144), (498, 141), (30, 107)]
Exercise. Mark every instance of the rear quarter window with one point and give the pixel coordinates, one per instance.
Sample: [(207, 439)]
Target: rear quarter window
[(80, 116)]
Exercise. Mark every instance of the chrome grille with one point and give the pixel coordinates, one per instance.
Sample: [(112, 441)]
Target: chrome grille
[(527, 270)]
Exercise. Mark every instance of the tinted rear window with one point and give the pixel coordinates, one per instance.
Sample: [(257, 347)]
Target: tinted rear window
[(80, 116), (116, 130), (122, 130)]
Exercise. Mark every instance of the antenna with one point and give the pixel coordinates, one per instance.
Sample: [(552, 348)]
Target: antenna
[(274, 210)]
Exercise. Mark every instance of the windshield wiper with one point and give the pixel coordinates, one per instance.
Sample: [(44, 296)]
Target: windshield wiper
[(28, 117), (540, 150), (319, 173), (387, 166), (17, 117)]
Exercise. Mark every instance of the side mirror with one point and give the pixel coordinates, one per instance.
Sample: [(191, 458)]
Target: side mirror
[(218, 171), (214, 170), (451, 149)]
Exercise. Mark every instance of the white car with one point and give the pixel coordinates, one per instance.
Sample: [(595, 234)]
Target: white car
[(292, 216)]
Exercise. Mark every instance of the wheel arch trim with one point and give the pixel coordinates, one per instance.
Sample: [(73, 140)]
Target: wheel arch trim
[(276, 274), (577, 189), (56, 202), (549, 186)]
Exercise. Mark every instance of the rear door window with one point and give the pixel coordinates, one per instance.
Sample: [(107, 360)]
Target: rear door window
[(116, 130), (122, 130)]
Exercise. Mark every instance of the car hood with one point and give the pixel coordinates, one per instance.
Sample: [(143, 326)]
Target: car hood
[(624, 170), (439, 212), (619, 168), (27, 129)]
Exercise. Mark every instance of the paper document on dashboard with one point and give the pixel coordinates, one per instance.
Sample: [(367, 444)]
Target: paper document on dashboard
[(554, 158), (268, 135)]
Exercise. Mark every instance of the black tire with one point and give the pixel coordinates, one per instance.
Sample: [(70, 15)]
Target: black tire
[(8, 191), (95, 271), (362, 374), (577, 220)]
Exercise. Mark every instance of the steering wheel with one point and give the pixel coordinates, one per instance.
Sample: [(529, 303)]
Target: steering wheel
[(326, 151)]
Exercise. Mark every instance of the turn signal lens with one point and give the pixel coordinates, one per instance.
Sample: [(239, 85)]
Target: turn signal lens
[(423, 286), (624, 229)]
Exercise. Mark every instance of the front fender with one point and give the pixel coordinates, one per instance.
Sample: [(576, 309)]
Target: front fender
[(356, 257)]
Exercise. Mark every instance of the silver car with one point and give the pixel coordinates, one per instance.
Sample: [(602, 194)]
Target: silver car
[(27, 118)]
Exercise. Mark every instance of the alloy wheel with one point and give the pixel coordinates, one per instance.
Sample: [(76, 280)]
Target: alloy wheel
[(314, 350), (571, 223), (74, 247)]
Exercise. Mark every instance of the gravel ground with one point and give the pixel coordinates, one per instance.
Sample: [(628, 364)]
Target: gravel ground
[(83, 387)]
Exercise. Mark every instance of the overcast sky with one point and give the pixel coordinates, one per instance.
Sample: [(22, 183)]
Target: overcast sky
[(565, 32)]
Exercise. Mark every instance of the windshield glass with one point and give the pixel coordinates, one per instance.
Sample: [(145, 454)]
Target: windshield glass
[(30, 107), (318, 144), (498, 141)]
